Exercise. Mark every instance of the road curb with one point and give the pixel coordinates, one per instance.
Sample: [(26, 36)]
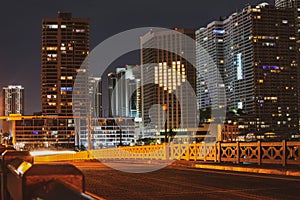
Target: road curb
[(249, 169)]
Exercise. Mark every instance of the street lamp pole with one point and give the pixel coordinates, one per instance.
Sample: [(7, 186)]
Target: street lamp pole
[(165, 108), (120, 119)]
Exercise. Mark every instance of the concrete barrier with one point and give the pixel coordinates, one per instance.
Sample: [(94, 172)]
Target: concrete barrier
[(2, 149), (44, 181), (7, 157), (22, 180)]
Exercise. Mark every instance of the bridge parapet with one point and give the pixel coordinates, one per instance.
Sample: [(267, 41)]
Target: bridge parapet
[(283, 153)]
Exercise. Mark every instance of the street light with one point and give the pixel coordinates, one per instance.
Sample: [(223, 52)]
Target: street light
[(68, 136), (165, 108), (120, 119)]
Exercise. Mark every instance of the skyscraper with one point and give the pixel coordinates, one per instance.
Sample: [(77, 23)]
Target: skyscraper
[(286, 3), (210, 66), (95, 90), (122, 91), (167, 70), (65, 45), (260, 66), (295, 4), (13, 100)]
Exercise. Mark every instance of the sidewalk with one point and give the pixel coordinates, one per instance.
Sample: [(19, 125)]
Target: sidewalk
[(292, 170)]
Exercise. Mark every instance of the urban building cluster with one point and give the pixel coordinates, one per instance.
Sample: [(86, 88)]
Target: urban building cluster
[(245, 64)]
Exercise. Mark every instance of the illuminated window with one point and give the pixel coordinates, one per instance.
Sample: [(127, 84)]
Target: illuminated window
[(79, 30), (52, 55), (63, 26), (62, 78), (52, 26), (51, 48), (255, 10), (81, 70)]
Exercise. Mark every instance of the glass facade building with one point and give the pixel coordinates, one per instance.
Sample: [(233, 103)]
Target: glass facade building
[(259, 62)]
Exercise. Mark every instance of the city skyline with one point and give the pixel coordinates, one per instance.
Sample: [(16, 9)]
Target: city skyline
[(21, 60)]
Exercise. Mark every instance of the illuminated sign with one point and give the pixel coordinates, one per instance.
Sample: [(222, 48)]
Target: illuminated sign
[(239, 65)]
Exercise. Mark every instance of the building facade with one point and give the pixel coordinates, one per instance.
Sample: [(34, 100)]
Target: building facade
[(55, 132), (112, 132), (166, 77), (13, 100), (95, 91), (210, 69), (123, 91), (65, 45), (295, 4), (260, 58)]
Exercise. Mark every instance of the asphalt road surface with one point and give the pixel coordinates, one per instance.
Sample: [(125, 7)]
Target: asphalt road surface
[(175, 182)]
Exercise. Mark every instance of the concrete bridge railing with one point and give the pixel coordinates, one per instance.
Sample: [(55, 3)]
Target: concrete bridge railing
[(284, 153)]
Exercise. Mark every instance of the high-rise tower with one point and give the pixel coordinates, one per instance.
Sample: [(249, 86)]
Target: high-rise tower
[(65, 45), (167, 58), (260, 66), (13, 100)]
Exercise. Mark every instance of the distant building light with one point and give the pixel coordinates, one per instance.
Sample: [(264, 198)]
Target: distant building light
[(270, 67), (219, 31), (35, 132), (66, 89)]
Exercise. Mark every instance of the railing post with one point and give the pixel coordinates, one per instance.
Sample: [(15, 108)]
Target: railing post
[(219, 151), (216, 151), (205, 154), (167, 151), (187, 155), (196, 151), (258, 152), (237, 152), (283, 153)]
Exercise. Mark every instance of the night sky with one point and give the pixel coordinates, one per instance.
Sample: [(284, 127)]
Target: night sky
[(20, 50)]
